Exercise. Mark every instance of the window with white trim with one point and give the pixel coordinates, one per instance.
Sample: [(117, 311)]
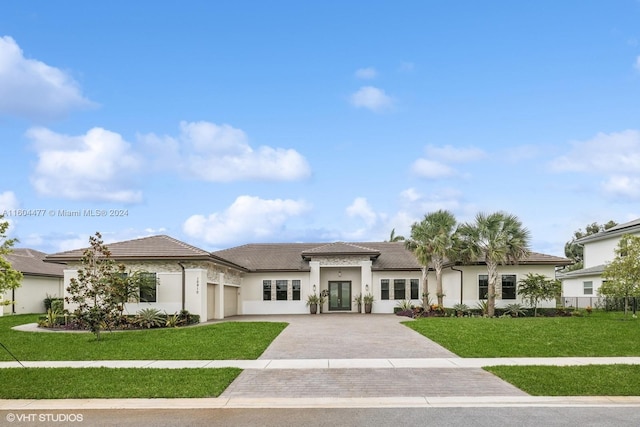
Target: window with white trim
[(587, 287)]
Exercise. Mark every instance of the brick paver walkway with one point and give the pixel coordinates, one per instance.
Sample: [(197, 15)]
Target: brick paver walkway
[(354, 336)]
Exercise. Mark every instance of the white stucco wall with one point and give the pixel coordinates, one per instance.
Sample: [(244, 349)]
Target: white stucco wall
[(470, 294), (29, 297), (574, 287), (387, 306), (251, 294), (602, 251)]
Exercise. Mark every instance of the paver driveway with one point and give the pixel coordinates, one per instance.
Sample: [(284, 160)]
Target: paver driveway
[(357, 336), (350, 336)]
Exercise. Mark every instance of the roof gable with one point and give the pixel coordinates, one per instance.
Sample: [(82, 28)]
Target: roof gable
[(340, 248)]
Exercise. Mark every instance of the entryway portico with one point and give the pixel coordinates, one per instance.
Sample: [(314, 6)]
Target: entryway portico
[(342, 271)]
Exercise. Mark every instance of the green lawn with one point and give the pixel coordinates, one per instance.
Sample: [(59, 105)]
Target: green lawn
[(590, 380), (228, 340), (601, 334), (67, 383)]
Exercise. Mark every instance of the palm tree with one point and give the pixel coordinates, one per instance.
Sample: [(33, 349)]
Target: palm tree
[(497, 238), (432, 242), (393, 237)]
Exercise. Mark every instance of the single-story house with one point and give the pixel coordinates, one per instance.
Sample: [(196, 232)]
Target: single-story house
[(39, 280), (580, 287), (277, 278)]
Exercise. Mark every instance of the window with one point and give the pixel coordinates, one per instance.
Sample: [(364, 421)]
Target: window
[(281, 290), (266, 290), (148, 289), (384, 289), (588, 287), (399, 291), (509, 286), (415, 288), (483, 286), (295, 285)]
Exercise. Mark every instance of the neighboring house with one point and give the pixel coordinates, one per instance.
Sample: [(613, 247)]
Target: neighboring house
[(277, 278), (580, 287), (39, 280)]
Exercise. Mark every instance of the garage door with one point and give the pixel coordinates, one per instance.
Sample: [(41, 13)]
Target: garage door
[(230, 301)]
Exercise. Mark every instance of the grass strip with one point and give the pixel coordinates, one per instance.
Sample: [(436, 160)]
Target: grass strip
[(601, 334), (219, 341), (94, 383), (587, 380)]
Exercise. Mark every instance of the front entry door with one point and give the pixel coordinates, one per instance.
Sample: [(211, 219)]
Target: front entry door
[(339, 296)]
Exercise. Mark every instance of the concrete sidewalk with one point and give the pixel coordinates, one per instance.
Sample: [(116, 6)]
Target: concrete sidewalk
[(328, 364)]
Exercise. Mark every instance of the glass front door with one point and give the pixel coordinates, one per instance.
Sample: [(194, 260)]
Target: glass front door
[(339, 296)]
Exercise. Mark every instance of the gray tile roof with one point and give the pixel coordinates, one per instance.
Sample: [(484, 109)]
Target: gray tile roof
[(289, 256), (620, 229), (341, 248), (595, 270), (272, 256), (539, 258), (148, 248), (31, 262)]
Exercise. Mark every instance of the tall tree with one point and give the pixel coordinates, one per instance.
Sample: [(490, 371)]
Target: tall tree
[(393, 237), (574, 251), (621, 277), (102, 288), (9, 278), (432, 242), (535, 287), (497, 238)]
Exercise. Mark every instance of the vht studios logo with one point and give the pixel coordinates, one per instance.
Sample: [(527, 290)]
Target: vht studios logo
[(44, 418)]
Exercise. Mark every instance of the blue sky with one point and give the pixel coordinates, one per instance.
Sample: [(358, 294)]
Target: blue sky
[(229, 122)]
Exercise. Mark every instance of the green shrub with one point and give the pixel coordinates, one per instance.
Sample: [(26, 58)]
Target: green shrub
[(515, 310), (150, 318)]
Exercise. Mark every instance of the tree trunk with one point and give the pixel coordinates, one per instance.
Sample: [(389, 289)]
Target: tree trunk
[(425, 289), (492, 270), (437, 264)]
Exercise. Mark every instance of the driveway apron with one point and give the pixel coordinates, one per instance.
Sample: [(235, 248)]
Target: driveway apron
[(357, 336)]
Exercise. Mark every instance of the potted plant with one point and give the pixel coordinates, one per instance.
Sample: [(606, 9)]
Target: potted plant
[(368, 302), (324, 294), (358, 300), (312, 302)]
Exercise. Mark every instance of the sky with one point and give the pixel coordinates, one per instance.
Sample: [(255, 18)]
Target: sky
[(222, 123)]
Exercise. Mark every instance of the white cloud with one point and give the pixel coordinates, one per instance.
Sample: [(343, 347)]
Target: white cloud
[(613, 152), (637, 63), (366, 73), (431, 169), (249, 218), (361, 209), (98, 165), (451, 154), (8, 201), (371, 98), (436, 163), (615, 156), (221, 153), (622, 186), (33, 89)]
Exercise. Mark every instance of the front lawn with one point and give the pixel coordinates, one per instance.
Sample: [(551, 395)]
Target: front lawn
[(227, 340), (601, 334), (95, 383), (590, 380)]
